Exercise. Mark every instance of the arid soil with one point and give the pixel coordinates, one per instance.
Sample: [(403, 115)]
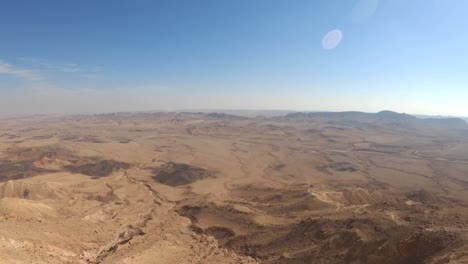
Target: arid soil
[(218, 188)]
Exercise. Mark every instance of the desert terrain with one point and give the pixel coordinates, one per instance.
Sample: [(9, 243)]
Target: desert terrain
[(195, 187)]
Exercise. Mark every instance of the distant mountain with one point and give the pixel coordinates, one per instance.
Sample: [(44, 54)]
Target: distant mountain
[(224, 116), (246, 112), (380, 118), (385, 117), (453, 122)]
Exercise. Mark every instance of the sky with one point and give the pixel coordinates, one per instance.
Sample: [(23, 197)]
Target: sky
[(327, 55)]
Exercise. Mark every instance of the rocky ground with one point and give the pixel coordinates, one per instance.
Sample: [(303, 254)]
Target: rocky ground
[(218, 188)]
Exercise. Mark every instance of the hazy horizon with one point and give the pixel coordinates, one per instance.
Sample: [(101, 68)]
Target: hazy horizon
[(239, 112), (354, 55)]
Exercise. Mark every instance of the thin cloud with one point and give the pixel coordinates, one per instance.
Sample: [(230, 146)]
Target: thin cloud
[(66, 67), (46, 74), (8, 69)]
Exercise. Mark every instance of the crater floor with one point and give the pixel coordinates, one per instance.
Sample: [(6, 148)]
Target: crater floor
[(204, 188)]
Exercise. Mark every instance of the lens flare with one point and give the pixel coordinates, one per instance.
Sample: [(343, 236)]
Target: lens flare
[(332, 39), (364, 9)]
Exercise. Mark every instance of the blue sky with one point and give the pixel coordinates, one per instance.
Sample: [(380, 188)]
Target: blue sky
[(100, 56)]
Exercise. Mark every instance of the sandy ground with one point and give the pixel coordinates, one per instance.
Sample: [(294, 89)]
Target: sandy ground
[(198, 188)]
